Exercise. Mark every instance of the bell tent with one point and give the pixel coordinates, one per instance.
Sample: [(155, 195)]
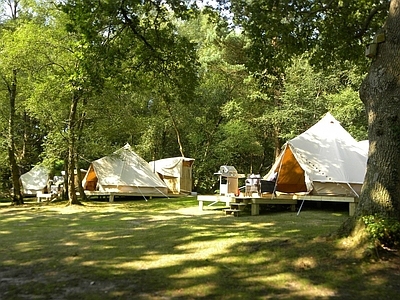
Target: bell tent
[(123, 172), (176, 172), (35, 180), (324, 160)]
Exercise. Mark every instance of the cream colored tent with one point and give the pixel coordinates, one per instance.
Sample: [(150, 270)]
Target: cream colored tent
[(364, 145), (123, 172), (176, 173), (35, 180), (324, 160)]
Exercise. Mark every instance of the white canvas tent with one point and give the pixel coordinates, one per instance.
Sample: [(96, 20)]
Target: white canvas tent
[(123, 172), (176, 172), (364, 145), (324, 160), (35, 180)]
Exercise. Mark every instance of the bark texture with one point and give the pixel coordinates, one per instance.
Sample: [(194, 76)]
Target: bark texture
[(73, 199), (380, 93), (17, 198)]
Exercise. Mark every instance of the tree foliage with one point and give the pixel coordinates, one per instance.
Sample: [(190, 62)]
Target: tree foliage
[(173, 80)]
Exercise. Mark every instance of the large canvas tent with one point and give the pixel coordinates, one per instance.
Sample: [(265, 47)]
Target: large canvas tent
[(324, 160), (35, 180), (176, 172), (123, 172)]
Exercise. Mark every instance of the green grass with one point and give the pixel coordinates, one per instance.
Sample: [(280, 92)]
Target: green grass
[(168, 249)]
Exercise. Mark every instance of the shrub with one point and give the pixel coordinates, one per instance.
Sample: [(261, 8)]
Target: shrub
[(383, 231)]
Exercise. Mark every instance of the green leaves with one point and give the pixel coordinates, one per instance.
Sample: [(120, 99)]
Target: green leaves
[(382, 231)]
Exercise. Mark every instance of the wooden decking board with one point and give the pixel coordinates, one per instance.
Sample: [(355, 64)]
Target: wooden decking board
[(290, 199), (112, 195)]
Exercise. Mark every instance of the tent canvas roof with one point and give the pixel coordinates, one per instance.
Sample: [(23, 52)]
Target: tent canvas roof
[(125, 168), (35, 180), (325, 152), (169, 167)]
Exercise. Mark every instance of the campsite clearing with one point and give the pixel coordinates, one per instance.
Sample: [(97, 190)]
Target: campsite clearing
[(168, 249)]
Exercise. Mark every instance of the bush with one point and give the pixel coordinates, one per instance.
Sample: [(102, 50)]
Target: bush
[(383, 231)]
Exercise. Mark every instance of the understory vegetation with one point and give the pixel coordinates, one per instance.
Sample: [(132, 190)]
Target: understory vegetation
[(383, 232)]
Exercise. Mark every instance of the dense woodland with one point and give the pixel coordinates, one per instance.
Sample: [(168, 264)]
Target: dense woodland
[(225, 84)]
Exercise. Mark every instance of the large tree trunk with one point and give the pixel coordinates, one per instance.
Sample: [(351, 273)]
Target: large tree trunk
[(17, 198), (78, 168), (380, 93), (178, 136), (73, 199)]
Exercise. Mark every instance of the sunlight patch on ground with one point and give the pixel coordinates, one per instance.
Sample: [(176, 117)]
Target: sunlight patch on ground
[(89, 263), (195, 272), (203, 250), (27, 247), (97, 235), (305, 263), (9, 262), (292, 231), (128, 219), (261, 225), (194, 211), (152, 262), (299, 287), (337, 214), (192, 291), (71, 244), (70, 259), (189, 291), (21, 218), (194, 252), (255, 261)]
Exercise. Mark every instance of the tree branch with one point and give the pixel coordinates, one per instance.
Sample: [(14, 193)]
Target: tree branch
[(132, 26), (369, 18), (323, 8)]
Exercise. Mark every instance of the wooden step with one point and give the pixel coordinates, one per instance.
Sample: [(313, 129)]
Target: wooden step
[(216, 207), (231, 211), (237, 205)]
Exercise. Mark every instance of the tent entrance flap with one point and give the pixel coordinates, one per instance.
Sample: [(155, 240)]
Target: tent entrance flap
[(90, 180), (323, 160), (291, 177)]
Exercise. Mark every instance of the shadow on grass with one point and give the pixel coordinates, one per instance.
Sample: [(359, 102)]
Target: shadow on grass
[(167, 249)]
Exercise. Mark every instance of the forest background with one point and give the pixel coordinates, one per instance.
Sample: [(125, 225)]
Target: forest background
[(79, 79)]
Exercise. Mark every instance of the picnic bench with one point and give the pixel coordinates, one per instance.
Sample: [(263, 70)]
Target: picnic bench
[(46, 196)]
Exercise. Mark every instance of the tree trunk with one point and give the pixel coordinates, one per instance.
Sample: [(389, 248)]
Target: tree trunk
[(380, 93), (73, 199), (78, 168), (17, 198), (178, 137), (65, 184), (277, 143)]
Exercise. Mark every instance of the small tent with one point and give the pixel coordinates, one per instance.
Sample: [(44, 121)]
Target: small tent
[(176, 173), (324, 160), (82, 172), (35, 180), (123, 172)]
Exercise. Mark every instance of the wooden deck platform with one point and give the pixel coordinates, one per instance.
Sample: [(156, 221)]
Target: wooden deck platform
[(288, 199), (111, 195)]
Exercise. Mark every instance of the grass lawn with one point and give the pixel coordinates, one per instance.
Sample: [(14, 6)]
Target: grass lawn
[(168, 249)]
